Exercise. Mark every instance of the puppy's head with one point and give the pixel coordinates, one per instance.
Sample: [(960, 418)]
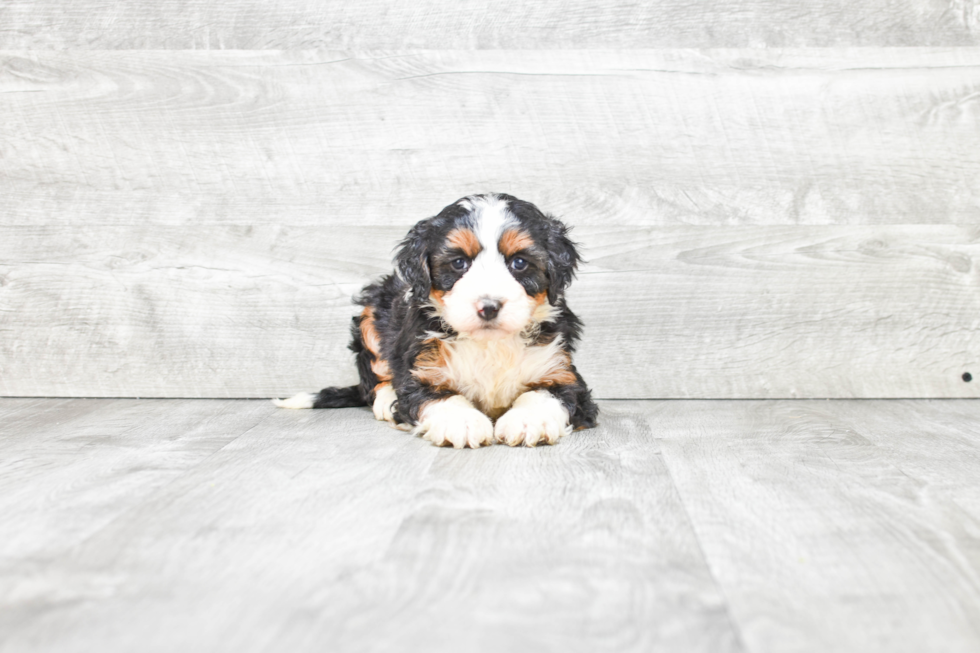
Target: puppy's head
[(490, 264)]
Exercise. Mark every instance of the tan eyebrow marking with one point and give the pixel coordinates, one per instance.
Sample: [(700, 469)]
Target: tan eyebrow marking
[(465, 240), (514, 241)]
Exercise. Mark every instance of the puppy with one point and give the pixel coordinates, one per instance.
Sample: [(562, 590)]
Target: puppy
[(471, 342)]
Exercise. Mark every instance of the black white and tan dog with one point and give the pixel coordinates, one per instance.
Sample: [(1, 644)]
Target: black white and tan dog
[(471, 342)]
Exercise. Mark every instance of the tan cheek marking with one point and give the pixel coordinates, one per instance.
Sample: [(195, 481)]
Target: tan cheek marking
[(540, 298), (513, 241), (438, 296), (465, 240), (373, 344)]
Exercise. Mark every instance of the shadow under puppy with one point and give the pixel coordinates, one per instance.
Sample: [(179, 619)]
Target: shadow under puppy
[(471, 341)]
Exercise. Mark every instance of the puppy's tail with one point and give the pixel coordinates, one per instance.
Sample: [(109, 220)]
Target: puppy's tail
[(326, 398)]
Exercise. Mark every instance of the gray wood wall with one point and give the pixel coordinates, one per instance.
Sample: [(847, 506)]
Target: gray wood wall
[(777, 199)]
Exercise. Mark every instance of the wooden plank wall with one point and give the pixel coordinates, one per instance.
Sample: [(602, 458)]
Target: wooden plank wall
[(787, 208), (505, 24)]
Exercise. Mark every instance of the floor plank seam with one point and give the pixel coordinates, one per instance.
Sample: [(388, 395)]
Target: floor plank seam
[(736, 627)]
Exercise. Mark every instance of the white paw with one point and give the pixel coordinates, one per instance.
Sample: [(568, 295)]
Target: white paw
[(536, 417), (384, 399), (454, 421)]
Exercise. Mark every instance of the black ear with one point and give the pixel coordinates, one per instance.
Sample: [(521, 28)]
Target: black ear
[(412, 260), (563, 259)]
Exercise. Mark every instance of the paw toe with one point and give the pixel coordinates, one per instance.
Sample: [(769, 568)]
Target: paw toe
[(524, 427), (457, 426)]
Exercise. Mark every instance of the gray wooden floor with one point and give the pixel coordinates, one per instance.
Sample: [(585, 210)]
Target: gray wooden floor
[(222, 525)]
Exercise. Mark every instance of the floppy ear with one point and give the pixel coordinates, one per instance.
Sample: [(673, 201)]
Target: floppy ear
[(412, 260), (563, 258)]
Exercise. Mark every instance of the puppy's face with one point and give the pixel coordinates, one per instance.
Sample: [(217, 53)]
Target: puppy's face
[(490, 264)]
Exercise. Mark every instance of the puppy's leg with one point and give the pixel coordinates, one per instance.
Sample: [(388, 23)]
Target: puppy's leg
[(536, 417), (384, 401), (454, 421)]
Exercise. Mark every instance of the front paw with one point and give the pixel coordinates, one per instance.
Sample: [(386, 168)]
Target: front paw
[(454, 421), (536, 417), (384, 401)]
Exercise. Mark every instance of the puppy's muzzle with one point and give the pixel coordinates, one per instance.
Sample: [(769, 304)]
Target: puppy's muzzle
[(488, 309)]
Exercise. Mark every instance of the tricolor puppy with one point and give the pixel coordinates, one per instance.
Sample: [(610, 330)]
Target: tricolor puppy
[(471, 342)]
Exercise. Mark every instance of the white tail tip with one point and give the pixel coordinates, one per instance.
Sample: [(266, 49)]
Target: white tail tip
[(302, 400)]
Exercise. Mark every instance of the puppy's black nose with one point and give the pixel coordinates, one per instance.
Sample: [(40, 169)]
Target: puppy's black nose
[(488, 309)]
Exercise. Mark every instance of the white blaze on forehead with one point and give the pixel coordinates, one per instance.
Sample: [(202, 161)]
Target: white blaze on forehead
[(492, 216)]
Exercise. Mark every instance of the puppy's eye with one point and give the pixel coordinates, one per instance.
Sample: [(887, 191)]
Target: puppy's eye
[(518, 264), (460, 264)]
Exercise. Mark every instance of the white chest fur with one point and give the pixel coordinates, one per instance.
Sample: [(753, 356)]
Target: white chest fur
[(493, 373)]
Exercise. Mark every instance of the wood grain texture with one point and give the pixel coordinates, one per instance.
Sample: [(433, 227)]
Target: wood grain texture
[(581, 547), (821, 533), (86, 463), (292, 24), (934, 442), (767, 312), (684, 312), (317, 530), (647, 137), (762, 526)]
